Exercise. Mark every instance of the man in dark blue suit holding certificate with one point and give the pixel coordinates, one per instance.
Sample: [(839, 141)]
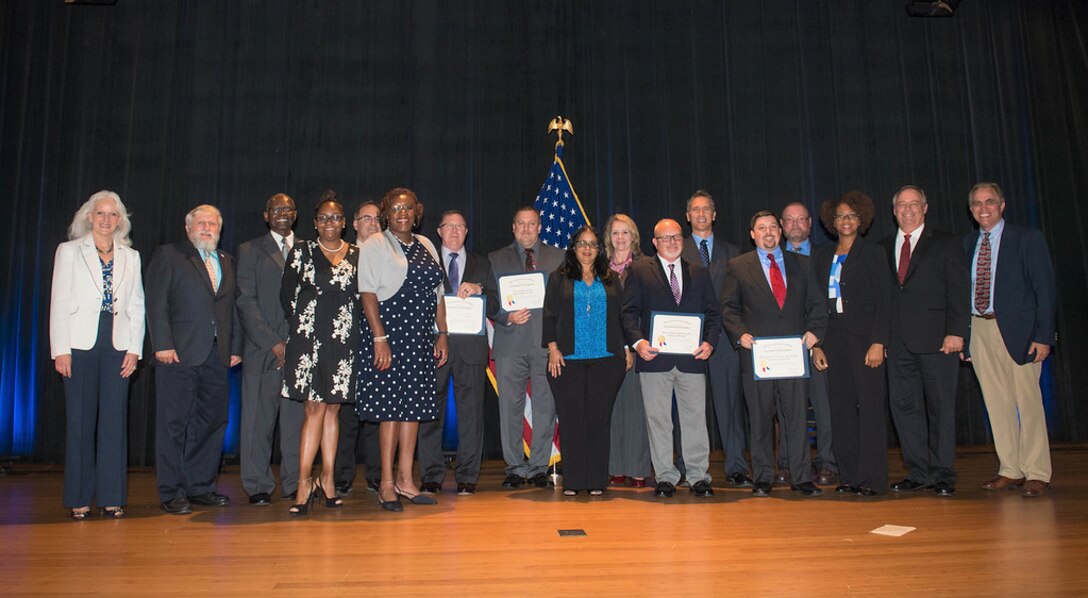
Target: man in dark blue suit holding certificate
[(771, 293), (668, 283)]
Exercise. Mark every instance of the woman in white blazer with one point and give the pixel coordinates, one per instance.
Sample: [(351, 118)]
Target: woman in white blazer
[(96, 335)]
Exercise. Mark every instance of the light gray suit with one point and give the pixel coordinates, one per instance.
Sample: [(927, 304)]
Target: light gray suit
[(260, 272), (519, 359)]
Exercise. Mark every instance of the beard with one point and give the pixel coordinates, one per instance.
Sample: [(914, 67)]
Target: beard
[(205, 245)]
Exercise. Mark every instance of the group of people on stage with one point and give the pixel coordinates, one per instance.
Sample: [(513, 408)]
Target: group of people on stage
[(354, 335)]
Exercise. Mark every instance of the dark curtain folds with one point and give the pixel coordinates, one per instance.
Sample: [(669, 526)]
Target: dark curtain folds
[(174, 103)]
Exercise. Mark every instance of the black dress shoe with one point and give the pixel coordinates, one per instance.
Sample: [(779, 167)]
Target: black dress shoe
[(945, 489), (290, 495), (344, 489), (859, 491), (210, 499), (664, 490), (908, 485), (261, 499), (761, 490), (845, 489), (513, 481), (540, 480), (466, 489), (177, 506), (702, 489), (807, 489), (430, 488), (781, 476), (372, 485), (740, 480)]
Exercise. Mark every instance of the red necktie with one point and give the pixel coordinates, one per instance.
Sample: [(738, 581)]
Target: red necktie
[(904, 258), (778, 285), (982, 276)]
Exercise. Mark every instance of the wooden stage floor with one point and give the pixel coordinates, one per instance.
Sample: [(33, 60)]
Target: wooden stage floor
[(508, 543)]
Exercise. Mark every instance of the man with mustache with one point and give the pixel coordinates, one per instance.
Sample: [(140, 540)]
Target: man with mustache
[(196, 339)]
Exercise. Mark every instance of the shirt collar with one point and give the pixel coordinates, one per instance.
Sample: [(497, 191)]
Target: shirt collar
[(763, 254)]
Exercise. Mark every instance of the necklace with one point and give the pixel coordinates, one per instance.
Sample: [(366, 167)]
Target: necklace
[(104, 251), (337, 250)]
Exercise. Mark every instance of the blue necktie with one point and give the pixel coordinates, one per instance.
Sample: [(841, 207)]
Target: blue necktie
[(704, 252), (455, 273)]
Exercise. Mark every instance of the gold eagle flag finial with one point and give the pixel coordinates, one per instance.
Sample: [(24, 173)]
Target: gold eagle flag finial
[(560, 124)]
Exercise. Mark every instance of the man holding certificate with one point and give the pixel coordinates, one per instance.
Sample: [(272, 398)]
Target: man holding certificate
[(521, 271), (772, 310), (672, 322), (464, 284)]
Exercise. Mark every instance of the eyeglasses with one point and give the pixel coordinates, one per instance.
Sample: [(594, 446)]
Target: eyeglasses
[(402, 207), (367, 218), (795, 220), (842, 217), (453, 226), (670, 238), (281, 210), (587, 244), (323, 218)]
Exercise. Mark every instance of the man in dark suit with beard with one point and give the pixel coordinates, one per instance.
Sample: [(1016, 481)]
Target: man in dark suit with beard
[(196, 339), (466, 274), (768, 293), (929, 321)]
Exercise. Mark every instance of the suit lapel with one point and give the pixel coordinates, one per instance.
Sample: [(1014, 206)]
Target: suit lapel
[(90, 259), (274, 251), (920, 248), (759, 280), (663, 277), (201, 270)]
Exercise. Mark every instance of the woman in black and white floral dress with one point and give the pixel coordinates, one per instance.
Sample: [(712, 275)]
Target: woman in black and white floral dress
[(319, 297)]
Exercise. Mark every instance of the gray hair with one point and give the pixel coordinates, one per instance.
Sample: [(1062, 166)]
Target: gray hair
[(81, 222), (700, 193), (907, 188), (986, 185), (204, 207)]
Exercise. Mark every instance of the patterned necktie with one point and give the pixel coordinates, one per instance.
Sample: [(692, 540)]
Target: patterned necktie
[(284, 249), (530, 261), (675, 284), (209, 265), (455, 273), (904, 258), (778, 284), (704, 252), (982, 276)]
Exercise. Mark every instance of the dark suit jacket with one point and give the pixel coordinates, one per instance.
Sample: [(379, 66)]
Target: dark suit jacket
[(260, 272), (748, 304), (475, 269), (647, 290), (934, 299), (1023, 288), (183, 313), (559, 315), (720, 255), (865, 286)]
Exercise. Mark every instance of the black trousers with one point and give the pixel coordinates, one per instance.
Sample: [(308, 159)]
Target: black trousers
[(859, 408), (584, 395), (791, 397), (468, 395), (96, 424), (351, 429), (922, 398), (191, 411)]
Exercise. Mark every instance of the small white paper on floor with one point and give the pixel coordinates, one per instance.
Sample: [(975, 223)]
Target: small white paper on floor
[(892, 530)]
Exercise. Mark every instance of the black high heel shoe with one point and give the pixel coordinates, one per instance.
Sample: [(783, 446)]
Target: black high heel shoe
[(303, 507), (390, 505), (415, 499), (330, 503)]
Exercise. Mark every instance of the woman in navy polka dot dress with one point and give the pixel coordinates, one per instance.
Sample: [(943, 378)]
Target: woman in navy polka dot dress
[(400, 282)]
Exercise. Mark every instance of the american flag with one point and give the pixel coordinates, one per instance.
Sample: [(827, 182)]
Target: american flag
[(560, 210)]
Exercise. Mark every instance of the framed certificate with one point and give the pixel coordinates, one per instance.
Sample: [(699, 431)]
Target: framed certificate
[(672, 332), (779, 357), (521, 291), (465, 316)]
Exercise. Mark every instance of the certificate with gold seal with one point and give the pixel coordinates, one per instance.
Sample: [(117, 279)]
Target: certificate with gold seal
[(779, 357), (521, 291), (672, 332), (465, 316)]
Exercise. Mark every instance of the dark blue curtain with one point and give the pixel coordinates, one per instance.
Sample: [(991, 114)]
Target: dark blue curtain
[(175, 102)]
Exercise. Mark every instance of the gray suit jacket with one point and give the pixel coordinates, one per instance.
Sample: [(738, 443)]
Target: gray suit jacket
[(260, 271), (510, 339)]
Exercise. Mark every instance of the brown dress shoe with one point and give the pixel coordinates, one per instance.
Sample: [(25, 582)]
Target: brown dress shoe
[(1036, 488), (1003, 483)]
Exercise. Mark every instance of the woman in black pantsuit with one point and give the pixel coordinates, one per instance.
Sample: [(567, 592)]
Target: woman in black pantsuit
[(859, 295), (586, 359)]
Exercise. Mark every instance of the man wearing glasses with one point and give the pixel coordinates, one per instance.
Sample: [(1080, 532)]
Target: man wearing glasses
[(366, 223), (260, 270), (670, 283)]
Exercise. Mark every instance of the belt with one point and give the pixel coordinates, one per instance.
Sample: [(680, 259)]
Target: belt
[(989, 316)]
